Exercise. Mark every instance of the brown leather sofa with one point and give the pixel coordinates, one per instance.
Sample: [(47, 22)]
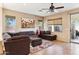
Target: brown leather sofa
[(17, 45), (28, 33), (43, 34), (47, 35)]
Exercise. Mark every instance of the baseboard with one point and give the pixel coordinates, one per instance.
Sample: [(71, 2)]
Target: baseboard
[(62, 41)]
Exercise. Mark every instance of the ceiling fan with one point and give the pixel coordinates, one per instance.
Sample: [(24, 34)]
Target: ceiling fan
[(51, 8)]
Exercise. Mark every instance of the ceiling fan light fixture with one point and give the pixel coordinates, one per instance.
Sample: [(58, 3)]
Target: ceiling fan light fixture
[(52, 8)]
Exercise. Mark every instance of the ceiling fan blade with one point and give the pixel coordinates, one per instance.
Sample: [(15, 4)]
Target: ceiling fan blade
[(48, 11), (40, 10), (59, 7), (44, 8)]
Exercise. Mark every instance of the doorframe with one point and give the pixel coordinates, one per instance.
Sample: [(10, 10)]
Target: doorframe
[(70, 24)]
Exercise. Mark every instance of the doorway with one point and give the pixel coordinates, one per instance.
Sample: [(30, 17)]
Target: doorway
[(75, 28)]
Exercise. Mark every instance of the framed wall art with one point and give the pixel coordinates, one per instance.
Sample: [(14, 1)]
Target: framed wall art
[(27, 23)]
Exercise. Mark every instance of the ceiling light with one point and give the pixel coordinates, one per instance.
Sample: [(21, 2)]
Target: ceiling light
[(24, 4)]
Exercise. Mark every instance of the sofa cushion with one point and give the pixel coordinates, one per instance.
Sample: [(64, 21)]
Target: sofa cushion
[(44, 32), (18, 37), (13, 34), (27, 33), (47, 32)]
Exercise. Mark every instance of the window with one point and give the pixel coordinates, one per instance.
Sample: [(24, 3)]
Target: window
[(58, 28), (10, 23), (55, 28), (40, 24), (55, 25)]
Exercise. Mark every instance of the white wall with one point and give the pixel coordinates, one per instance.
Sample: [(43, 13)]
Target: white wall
[(0, 23), (1, 49)]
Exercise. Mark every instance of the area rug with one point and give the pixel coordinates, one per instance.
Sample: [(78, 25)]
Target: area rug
[(45, 44)]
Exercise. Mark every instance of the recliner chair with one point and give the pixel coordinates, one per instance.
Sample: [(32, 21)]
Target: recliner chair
[(17, 45)]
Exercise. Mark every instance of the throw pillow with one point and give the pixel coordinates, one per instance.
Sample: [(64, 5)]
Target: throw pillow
[(6, 36)]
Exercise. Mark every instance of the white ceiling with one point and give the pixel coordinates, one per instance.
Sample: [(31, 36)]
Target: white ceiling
[(32, 8)]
